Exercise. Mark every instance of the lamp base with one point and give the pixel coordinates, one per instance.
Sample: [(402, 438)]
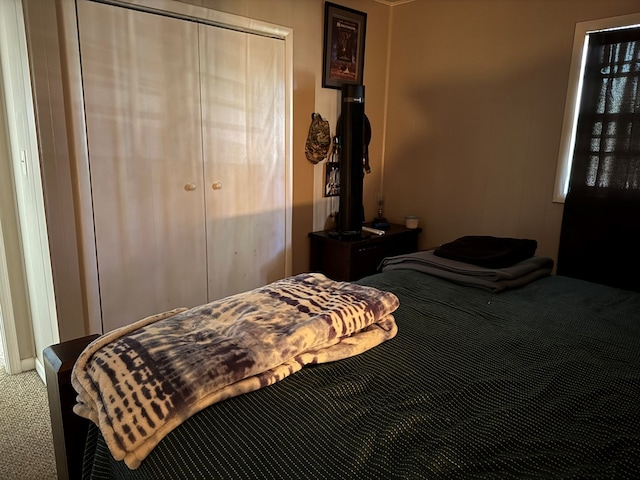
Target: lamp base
[(381, 223)]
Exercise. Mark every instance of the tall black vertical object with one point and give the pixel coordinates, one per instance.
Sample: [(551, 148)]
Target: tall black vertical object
[(349, 221)]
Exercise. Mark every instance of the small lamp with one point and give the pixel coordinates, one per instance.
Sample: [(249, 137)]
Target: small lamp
[(380, 222)]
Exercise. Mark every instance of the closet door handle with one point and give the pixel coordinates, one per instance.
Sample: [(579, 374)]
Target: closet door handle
[(190, 187), (216, 185)]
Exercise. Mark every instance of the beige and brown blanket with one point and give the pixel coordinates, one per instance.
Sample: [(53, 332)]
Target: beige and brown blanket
[(139, 382)]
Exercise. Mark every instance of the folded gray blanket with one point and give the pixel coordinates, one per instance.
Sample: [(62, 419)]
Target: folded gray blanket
[(492, 279), (139, 382)]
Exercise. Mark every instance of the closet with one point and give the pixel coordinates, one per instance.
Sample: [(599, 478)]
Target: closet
[(185, 132)]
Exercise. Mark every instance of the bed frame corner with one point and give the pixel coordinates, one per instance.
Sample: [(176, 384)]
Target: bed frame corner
[(69, 430)]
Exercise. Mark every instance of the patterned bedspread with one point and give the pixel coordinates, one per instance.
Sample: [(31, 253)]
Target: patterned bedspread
[(140, 382)]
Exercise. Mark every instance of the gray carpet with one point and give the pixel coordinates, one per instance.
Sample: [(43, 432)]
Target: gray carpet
[(26, 445)]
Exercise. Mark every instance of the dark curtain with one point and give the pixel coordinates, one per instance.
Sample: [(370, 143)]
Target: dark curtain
[(600, 237)]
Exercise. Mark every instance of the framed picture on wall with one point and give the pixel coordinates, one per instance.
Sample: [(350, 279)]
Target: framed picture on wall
[(332, 179), (344, 34)]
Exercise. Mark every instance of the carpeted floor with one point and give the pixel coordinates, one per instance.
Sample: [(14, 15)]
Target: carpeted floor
[(26, 445)]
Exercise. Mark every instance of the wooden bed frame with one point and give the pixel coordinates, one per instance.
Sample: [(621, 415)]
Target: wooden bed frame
[(69, 430)]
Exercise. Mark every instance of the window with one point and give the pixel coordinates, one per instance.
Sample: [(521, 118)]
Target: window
[(613, 74)]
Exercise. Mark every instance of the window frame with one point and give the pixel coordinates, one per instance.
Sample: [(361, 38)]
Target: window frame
[(574, 93)]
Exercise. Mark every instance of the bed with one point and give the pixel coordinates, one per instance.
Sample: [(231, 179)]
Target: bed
[(541, 381)]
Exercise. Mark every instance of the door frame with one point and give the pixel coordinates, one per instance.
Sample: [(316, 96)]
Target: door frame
[(24, 158), (8, 335), (79, 146)]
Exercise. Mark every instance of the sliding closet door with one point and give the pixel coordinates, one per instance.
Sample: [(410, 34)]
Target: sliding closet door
[(142, 102), (243, 109)]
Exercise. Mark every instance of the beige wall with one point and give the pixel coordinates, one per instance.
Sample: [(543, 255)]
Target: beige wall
[(476, 101), (306, 18), (470, 138)]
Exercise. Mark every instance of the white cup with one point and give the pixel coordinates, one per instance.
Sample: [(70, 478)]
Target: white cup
[(411, 221)]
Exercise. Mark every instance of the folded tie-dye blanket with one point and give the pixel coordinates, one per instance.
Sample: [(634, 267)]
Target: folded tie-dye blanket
[(139, 382)]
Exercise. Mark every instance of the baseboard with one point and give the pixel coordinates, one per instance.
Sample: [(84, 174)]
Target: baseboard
[(33, 363), (40, 370), (27, 364)]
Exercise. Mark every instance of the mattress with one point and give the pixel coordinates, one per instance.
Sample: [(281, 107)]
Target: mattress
[(540, 381)]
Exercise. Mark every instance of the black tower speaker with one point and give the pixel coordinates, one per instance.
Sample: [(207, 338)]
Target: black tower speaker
[(349, 220)]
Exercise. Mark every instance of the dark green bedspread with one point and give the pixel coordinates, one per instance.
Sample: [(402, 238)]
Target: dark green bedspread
[(538, 382)]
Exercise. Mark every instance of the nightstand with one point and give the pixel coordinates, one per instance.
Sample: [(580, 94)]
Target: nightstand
[(351, 259)]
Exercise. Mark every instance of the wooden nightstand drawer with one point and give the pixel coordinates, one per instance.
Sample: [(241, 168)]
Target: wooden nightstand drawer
[(351, 259)]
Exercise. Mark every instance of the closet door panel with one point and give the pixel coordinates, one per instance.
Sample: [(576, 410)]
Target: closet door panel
[(243, 109), (141, 86)]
